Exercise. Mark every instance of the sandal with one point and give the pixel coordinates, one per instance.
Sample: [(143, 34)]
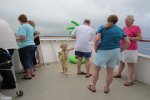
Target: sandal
[(33, 75), (26, 78), (90, 88), (34, 70), (128, 84), (87, 76), (106, 91), (117, 76), (81, 73)]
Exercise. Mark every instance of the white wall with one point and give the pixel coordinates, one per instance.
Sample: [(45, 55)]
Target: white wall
[(142, 68), (16, 61), (48, 52), (50, 49)]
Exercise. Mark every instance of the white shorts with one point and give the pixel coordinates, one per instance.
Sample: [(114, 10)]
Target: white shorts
[(129, 56)]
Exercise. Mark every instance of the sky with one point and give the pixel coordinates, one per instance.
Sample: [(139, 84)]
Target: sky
[(52, 17)]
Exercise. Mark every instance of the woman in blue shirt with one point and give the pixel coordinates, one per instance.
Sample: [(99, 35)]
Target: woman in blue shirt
[(107, 47), (25, 39)]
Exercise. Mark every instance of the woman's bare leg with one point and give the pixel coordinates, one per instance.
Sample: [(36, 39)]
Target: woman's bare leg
[(109, 78), (121, 67), (130, 72), (95, 77), (27, 73), (32, 71)]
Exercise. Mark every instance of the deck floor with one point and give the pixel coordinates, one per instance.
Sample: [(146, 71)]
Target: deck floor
[(50, 84)]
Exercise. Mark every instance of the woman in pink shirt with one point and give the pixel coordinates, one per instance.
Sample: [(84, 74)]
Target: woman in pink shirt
[(129, 56)]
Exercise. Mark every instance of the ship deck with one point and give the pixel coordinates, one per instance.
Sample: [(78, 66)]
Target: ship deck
[(50, 84)]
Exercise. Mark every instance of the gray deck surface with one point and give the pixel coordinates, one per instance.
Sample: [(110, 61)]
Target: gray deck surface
[(50, 84)]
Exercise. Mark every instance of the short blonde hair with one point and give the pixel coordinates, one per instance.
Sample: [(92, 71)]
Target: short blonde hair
[(63, 45), (32, 23)]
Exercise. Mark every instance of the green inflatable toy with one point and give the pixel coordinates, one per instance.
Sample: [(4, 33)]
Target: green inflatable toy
[(75, 23), (71, 28), (74, 60)]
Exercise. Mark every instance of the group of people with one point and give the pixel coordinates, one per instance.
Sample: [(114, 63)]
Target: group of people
[(112, 45), (29, 43)]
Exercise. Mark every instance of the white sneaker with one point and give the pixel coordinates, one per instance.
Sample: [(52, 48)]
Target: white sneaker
[(62, 71)]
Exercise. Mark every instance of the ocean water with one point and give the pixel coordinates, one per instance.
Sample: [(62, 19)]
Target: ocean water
[(144, 48)]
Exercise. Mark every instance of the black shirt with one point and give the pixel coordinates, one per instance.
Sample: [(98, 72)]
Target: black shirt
[(37, 41)]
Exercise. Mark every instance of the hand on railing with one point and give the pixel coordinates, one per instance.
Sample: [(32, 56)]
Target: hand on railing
[(144, 40)]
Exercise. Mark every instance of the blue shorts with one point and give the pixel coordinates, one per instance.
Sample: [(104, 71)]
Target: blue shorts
[(107, 58), (83, 54), (26, 56)]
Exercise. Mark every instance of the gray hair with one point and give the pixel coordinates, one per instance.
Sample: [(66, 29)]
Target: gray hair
[(131, 16)]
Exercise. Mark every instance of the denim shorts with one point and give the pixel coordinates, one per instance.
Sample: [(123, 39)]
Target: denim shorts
[(83, 54), (26, 56), (107, 58)]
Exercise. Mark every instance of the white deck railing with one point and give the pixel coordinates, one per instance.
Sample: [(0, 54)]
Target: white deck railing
[(51, 46)]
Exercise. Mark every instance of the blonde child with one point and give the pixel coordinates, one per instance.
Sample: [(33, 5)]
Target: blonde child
[(63, 56)]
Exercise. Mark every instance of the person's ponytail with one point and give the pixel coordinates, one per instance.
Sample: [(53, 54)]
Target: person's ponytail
[(108, 25), (112, 19)]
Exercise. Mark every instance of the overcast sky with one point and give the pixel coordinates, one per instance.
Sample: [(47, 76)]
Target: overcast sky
[(53, 16)]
